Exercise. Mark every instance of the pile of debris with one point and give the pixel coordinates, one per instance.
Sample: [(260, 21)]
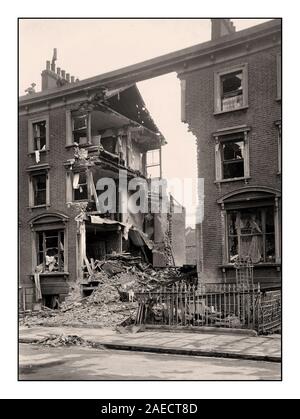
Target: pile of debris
[(109, 288), (62, 340)]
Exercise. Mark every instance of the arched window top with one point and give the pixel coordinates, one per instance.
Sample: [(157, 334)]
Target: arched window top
[(248, 194), (49, 219)]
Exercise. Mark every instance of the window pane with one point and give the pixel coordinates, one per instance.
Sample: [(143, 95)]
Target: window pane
[(39, 186), (233, 150), (232, 223), (270, 220), (251, 221), (79, 122), (233, 170), (81, 192), (270, 247), (233, 248), (232, 90)]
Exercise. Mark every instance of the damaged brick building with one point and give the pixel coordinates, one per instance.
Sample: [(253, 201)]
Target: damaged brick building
[(231, 98), (72, 134)]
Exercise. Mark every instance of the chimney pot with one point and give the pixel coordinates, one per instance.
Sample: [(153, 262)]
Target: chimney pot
[(68, 77), (72, 79), (58, 71), (63, 73), (48, 65)]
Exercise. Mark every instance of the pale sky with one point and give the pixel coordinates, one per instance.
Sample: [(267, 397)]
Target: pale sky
[(88, 47)]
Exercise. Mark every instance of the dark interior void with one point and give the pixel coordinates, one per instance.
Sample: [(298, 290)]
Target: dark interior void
[(51, 301), (101, 243)]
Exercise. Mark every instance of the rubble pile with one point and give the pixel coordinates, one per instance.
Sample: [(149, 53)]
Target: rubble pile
[(111, 302), (62, 340)]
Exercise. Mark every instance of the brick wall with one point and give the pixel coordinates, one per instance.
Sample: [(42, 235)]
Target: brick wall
[(261, 114)]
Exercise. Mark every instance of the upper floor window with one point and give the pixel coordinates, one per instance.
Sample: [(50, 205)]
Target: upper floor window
[(232, 155), (279, 147), (231, 89), (78, 127), (80, 186), (38, 134)]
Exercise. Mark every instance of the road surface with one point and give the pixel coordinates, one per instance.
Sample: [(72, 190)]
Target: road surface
[(82, 363)]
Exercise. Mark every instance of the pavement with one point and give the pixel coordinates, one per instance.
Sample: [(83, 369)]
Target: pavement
[(229, 345), (38, 362)]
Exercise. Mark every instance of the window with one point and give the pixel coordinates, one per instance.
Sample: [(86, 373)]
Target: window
[(80, 186), (233, 159), (38, 135), (232, 155), (78, 128), (231, 89), (76, 186), (251, 233), (50, 250), (153, 164), (39, 189)]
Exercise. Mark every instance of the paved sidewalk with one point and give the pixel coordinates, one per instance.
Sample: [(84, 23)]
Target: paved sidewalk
[(261, 348)]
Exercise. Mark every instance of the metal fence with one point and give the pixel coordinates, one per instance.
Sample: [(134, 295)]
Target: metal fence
[(218, 305)]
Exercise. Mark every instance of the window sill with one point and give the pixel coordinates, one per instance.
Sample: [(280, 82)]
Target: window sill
[(80, 145), (32, 153), (56, 273), (231, 110), (39, 206), (235, 179)]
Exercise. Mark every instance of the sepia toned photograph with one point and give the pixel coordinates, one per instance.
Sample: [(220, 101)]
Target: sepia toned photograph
[(149, 199)]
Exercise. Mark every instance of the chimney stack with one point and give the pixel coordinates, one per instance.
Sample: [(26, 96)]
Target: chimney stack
[(52, 79), (221, 27)]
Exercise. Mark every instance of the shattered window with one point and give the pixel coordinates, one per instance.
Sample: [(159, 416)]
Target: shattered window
[(39, 183), (153, 163), (231, 91), (39, 135), (51, 250), (80, 127), (251, 233), (233, 159), (80, 186)]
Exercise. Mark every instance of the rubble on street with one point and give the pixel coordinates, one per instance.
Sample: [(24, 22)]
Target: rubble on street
[(108, 294)]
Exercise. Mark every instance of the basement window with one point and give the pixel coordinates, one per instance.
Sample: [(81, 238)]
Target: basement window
[(50, 250), (231, 90)]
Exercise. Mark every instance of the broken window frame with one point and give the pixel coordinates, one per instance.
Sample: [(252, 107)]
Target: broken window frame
[(32, 191), (83, 185), (218, 89), (155, 163), (70, 192), (70, 127), (50, 234), (263, 234), (31, 134), (231, 135)]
